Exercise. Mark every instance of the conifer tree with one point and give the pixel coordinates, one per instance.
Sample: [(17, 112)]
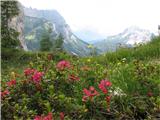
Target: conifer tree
[(45, 43), (9, 37), (58, 45)]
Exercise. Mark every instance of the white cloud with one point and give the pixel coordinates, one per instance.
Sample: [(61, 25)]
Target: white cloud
[(105, 16)]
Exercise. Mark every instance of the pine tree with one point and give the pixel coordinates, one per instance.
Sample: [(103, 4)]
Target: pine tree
[(9, 37), (58, 45), (45, 43)]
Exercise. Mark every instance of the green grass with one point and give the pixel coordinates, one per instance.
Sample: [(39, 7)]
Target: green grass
[(147, 51)]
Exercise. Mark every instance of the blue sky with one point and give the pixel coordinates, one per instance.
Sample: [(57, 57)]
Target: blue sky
[(104, 17)]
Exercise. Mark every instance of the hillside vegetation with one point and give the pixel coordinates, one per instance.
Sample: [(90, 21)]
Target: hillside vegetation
[(141, 52), (121, 85)]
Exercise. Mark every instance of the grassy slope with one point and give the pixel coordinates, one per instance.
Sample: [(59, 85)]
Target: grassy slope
[(141, 65), (122, 67), (149, 52), (144, 52)]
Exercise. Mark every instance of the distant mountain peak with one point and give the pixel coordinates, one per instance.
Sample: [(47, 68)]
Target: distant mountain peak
[(133, 30), (137, 35), (129, 37)]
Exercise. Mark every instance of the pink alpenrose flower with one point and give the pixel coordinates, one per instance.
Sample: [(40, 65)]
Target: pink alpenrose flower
[(89, 93), (63, 64), (103, 86), (11, 83)]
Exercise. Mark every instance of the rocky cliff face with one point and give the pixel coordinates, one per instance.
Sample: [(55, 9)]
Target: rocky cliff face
[(31, 23), (72, 43), (17, 23)]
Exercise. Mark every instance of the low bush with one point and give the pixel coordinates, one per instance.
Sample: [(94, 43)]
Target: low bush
[(81, 89)]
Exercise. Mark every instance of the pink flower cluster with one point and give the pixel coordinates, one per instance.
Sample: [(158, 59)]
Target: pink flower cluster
[(103, 86), (4, 93), (89, 93), (11, 83), (63, 64), (34, 75), (29, 71), (48, 117), (37, 77)]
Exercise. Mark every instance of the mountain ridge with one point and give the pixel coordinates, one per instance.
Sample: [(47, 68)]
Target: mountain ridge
[(72, 43), (129, 38)]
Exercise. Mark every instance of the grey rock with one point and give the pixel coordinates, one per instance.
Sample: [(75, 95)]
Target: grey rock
[(17, 23)]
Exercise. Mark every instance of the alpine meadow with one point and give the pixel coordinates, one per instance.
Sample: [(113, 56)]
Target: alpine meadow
[(50, 72)]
